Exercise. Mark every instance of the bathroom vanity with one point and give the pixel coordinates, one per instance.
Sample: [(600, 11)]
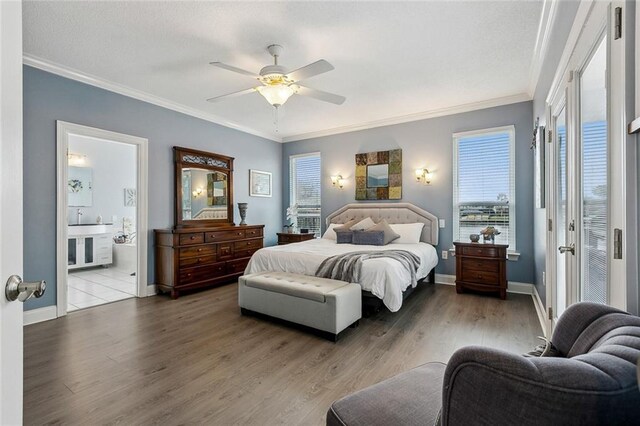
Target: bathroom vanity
[(89, 245)]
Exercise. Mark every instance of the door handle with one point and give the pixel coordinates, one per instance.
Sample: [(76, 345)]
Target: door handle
[(571, 249), (20, 290)]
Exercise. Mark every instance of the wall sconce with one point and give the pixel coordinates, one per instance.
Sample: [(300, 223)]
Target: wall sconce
[(197, 192), (424, 176), (337, 181), (76, 159)]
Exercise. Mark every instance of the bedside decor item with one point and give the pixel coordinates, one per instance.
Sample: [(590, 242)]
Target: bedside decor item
[(260, 183), (130, 197), (538, 147), (292, 214), (379, 175), (481, 267), (474, 238), (242, 207), (489, 234)]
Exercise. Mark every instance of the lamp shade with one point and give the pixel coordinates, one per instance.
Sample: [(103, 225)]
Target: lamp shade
[(276, 94)]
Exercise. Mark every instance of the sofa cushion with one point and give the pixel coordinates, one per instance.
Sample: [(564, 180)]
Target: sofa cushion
[(410, 398), (304, 286)]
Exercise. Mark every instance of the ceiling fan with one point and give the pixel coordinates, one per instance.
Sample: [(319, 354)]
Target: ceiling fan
[(278, 84)]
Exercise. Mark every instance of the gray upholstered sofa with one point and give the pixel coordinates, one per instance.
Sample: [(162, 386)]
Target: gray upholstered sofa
[(592, 381)]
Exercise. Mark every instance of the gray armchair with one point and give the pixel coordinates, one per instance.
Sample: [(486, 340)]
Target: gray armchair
[(592, 381)]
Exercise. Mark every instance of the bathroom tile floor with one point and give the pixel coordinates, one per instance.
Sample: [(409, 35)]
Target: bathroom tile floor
[(96, 286)]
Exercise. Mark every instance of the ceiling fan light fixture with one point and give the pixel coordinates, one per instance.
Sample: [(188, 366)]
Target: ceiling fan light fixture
[(276, 94)]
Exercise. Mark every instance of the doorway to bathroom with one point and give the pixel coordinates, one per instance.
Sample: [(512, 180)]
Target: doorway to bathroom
[(102, 215)]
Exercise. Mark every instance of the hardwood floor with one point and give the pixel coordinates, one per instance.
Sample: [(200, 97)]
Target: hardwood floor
[(196, 360)]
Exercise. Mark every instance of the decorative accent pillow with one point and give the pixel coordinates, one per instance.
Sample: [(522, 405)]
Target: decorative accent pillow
[(368, 238), (363, 225), (409, 232), (330, 233), (344, 236), (383, 226)]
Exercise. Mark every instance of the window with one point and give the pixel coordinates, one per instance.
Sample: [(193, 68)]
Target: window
[(304, 190), (484, 184)]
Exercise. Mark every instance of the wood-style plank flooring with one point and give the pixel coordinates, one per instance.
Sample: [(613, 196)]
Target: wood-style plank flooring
[(196, 360)]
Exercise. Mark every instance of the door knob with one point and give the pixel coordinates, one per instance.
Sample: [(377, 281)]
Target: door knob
[(20, 290), (571, 249)]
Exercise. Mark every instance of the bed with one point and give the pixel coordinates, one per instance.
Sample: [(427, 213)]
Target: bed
[(383, 279)]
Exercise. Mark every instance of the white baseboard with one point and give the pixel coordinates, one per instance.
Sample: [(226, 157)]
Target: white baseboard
[(514, 286), (151, 290), (39, 315), (537, 302)]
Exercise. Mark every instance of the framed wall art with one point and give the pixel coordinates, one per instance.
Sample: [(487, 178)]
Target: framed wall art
[(379, 175), (260, 183)]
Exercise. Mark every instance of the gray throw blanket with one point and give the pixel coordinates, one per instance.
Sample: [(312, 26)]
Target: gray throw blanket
[(347, 267)]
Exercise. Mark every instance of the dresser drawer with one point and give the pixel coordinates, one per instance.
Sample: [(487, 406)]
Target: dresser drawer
[(480, 264), (480, 277), (253, 233), (202, 273), (191, 238), (204, 250), (247, 244), (237, 266), (480, 251), (198, 261), (213, 236), (225, 251), (245, 253)]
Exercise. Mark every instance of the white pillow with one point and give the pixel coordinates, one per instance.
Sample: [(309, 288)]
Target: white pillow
[(409, 232), (363, 225), (330, 234)]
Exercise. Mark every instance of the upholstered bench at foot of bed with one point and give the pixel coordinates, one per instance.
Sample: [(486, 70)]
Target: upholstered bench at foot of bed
[(322, 304)]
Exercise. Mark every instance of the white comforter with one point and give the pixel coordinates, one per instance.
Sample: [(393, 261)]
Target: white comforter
[(384, 278)]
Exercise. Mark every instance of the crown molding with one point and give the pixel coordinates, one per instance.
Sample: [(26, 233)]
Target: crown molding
[(441, 112), (73, 74), (547, 20)]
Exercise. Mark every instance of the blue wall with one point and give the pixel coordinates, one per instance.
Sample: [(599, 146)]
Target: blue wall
[(48, 98), (428, 143)]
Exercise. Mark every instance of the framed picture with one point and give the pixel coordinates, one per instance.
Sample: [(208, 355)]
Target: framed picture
[(79, 187), (379, 175), (538, 166), (130, 197), (260, 183)]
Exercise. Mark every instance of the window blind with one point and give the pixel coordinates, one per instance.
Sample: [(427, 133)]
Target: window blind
[(484, 186), (304, 190), (594, 211)]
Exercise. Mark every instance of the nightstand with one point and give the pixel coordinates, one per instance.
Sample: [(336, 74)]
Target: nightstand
[(481, 267), (286, 238)]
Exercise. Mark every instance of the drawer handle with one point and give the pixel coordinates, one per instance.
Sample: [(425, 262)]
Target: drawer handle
[(188, 275), (212, 235), (239, 233), (193, 237), (199, 260)]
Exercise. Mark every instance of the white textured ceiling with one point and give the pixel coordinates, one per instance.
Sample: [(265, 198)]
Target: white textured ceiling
[(391, 58)]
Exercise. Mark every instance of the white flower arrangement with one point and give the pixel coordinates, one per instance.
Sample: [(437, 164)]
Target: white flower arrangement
[(292, 213)]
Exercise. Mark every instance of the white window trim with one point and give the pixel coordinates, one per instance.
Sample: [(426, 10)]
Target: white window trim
[(513, 253), (292, 182)]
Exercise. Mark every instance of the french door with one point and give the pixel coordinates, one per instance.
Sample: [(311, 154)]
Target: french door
[(585, 203)]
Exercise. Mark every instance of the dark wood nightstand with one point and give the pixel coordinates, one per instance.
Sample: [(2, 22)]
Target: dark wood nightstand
[(286, 238), (481, 267)]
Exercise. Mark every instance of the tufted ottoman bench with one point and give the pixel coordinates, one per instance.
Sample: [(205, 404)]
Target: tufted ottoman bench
[(328, 306)]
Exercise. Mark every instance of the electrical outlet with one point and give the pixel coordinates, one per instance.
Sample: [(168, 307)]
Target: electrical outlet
[(445, 254), (441, 221)]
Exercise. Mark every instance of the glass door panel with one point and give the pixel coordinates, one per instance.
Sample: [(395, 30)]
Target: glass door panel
[(560, 296), (88, 250), (72, 244), (594, 179)]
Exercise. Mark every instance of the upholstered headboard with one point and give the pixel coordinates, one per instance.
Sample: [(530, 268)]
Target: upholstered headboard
[(393, 213)]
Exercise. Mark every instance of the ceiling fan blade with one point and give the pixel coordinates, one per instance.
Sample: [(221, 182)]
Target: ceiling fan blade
[(320, 95), (318, 67), (232, 95), (234, 69)]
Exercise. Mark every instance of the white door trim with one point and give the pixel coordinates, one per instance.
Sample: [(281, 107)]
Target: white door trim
[(11, 218), (65, 129)]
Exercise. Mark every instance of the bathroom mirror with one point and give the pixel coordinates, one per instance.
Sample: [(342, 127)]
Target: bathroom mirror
[(79, 187), (204, 188)]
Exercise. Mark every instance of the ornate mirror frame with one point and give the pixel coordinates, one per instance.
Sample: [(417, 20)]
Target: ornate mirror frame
[(191, 158)]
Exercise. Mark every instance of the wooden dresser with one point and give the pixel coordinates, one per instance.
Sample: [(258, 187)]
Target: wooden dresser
[(191, 258), (287, 238), (481, 267)]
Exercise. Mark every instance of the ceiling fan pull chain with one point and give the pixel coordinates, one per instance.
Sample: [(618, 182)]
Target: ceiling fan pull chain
[(275, 117)]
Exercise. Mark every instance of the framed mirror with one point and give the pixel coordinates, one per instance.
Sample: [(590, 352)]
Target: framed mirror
[(204, 188)]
